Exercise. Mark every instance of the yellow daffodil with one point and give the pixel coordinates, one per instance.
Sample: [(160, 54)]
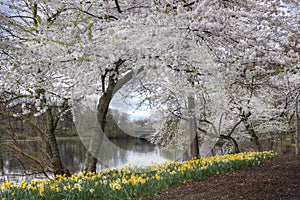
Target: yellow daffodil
[(41, 190), (92, 190), (157, 177), (77, 186)]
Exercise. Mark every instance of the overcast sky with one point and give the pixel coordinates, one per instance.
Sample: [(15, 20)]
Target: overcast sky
[(130, 106)]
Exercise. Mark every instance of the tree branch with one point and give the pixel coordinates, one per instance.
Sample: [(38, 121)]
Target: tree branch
[(118, 6)]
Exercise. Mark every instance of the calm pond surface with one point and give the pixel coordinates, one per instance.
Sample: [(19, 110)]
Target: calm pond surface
[(137, 152)]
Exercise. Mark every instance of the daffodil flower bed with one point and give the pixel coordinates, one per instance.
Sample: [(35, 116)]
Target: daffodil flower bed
[(130, 183)]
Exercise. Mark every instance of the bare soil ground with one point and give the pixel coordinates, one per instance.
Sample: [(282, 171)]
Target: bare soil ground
[(278, 179)]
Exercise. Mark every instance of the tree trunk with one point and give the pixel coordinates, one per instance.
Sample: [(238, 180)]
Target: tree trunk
[(292, 137), (1, 158), (297, 126), (233, 141), (51, 140), (253, 135), (193, 150), (102, 109), (90, 163), (1, 167), (282, 142)]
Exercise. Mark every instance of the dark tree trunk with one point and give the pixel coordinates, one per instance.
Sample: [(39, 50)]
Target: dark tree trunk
[(193, 150), (253, 135), (292, 137), (90, 163), (1, 159), (297, 126), (233, 141), (282, 141), (102, 109), (103, 105), (53, 146)]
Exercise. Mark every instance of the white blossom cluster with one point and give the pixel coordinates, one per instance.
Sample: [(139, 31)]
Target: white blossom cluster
[(66, 47)]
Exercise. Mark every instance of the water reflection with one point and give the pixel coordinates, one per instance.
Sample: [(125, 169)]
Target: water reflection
[(138, 152), (72, 153)]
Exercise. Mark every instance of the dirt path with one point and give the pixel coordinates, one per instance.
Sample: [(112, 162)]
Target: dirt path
[(279, 179)]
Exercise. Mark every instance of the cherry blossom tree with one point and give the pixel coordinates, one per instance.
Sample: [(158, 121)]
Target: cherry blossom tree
[(79, 48)]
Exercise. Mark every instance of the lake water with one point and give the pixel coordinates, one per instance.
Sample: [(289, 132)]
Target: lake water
[(137, 152)]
